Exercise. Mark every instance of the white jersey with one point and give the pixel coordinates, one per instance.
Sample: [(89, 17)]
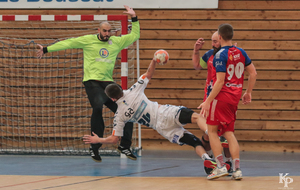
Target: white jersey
[(135, 107)]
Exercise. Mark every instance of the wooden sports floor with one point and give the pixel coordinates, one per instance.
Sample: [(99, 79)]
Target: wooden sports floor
[(157, 170)]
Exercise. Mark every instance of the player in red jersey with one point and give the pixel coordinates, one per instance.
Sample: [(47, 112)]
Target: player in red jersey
[(221, 105), (206, 61)]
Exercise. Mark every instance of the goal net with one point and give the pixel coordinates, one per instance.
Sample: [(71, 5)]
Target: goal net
[(43, 105)]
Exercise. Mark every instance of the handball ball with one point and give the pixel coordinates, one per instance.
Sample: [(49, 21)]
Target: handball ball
[(161, 56)]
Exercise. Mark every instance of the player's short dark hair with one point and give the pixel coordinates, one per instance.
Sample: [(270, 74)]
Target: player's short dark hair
[(226, 31), (114, 91)]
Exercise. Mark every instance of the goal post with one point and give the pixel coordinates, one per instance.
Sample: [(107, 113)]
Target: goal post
[(43, 105)]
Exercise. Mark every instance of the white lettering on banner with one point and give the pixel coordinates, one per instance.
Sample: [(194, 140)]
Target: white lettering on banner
[(116, 4)]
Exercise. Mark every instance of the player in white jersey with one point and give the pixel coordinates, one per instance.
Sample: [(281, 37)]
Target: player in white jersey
[(167, 120)]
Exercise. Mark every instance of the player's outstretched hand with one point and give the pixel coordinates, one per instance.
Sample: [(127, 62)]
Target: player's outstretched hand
[(88, 139), (246, 99), (129, 11), (40, 52), (199, 43)]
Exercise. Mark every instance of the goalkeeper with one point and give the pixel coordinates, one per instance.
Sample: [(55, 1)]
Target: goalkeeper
[(100, 52)]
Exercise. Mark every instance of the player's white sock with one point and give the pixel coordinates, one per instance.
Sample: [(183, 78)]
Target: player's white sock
[(205, 156), (220, 161)]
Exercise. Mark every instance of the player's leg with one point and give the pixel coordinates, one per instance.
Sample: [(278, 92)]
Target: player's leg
[(201, 122), (216, 147), (96, 97), (189, 116), (235, 154), (226, 151), (192, 140)]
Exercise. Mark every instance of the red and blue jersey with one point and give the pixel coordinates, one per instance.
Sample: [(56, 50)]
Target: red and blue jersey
[(231, 60), (207, 62)]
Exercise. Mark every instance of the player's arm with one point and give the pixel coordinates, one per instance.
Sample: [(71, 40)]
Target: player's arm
[(94, 139), (215, 91), (118, 131), (246, 99), (71, 43), (128, 39), (196, 54), (150, 71)]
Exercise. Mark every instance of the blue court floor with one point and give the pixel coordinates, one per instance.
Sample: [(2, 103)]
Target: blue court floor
[(151, 164)]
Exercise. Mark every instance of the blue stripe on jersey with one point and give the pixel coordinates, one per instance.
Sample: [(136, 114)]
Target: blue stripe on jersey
[(220, 60), (207, 55), (138, 112)]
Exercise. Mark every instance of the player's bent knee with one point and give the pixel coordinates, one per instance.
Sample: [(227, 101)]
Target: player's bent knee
[(191, 140), (185, 115)]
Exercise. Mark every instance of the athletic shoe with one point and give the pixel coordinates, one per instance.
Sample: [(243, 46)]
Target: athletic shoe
[(224, 142), (94, 152), (218, 172), (230, 168), (127, 152), (209, 165), (237, 175)]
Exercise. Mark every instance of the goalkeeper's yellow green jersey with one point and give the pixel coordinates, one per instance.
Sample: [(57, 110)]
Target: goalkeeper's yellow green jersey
[(99, 56)]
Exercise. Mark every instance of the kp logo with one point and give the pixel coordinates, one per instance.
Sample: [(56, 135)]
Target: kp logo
[(285, 180), (103, 52)]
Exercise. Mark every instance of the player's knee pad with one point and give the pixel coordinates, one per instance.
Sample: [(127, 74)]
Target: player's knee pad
[(191, 140), (185, 115), (204, 139)]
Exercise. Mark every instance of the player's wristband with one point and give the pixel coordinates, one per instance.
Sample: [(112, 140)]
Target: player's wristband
[(134, 19), (45, 50)]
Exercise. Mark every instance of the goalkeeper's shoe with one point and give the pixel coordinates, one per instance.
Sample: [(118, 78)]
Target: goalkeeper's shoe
[(209, 165), (127, 152), (224, 142), (94, 152)]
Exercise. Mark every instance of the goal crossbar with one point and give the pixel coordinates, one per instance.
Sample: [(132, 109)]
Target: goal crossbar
[(20, 116)]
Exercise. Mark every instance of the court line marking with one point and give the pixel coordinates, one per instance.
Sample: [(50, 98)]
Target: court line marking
[(109, 177), (25, 183)]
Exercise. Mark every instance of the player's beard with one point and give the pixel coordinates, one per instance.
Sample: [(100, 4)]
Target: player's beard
[(104, 38), (216, 50)]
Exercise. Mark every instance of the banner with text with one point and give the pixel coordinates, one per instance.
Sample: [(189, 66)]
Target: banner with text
[(108, 4)]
